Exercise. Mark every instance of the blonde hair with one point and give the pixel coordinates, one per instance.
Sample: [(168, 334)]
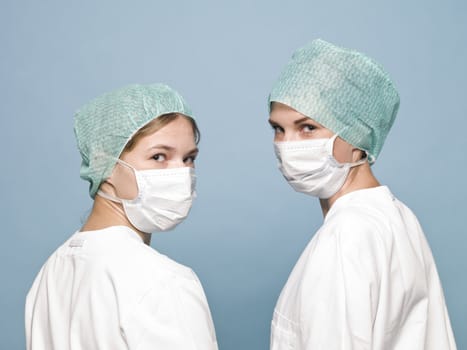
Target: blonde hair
[(157, 124)]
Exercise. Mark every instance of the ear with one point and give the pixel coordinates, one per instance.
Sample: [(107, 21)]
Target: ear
[(110, 179), (358, 154), (122, 182)]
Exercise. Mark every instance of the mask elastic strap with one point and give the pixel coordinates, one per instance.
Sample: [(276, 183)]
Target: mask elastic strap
[(109, 197), (357, 163), (330, 145), (125, 164), (331, 152)]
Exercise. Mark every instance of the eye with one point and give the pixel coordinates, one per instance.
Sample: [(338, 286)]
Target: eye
[(159, 157), (277, 129), (189, 160), (307, 128)]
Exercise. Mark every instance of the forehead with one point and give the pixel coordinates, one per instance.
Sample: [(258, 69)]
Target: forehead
[(283, 114), (177, 133)]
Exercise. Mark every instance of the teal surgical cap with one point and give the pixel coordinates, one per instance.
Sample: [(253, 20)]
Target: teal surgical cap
[(343, 90), (105, 125)]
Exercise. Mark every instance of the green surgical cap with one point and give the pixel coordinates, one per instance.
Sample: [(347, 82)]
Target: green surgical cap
[(105, 125), (343, 90)]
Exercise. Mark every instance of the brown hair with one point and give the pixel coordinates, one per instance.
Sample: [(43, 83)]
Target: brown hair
[(157, 124)]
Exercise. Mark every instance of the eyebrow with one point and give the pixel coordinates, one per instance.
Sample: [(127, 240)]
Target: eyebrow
[(301, 120), (167, 148), (170, 149), (272, 122), (193, 151)]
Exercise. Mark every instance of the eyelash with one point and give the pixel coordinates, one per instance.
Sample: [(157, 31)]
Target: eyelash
[(193, 158), (303, 126), (159, 155), (277, 128), (190, 158)]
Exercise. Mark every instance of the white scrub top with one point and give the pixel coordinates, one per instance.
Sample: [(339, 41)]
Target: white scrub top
[(367, 280), (107, 290)]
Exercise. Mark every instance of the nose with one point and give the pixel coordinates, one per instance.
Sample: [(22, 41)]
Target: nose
[(290, 135)]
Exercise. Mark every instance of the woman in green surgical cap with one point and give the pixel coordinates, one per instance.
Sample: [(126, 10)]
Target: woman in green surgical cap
[(105, 287), (367, 279)]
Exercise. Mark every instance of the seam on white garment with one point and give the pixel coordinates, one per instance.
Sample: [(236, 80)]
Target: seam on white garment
[(405, 299), (171, 267), (287, 333), (124, 319), (139, 301), (349, 330), (352, 335), (353, 197), (285, 318), (199, 293), (181, 314), (295, 325), (282, 337)]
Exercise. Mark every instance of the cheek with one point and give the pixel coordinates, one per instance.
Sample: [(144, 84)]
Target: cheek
[(342, 151), (124, 181), (321, 133), (278, 136)]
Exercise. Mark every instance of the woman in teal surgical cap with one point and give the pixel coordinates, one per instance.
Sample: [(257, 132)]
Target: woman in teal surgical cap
[(105, 287), (367, 279)]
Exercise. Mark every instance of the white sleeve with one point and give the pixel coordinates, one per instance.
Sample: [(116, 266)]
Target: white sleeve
[(175, 316), (339, 296)]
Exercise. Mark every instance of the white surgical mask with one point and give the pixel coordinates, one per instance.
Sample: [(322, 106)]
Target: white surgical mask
[(164, 198), (309, 166)]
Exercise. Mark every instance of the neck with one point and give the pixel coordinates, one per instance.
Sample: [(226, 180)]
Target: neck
[(360, 177), (106, 213)]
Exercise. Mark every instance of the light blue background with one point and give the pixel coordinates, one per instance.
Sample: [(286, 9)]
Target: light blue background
[(248, 227)]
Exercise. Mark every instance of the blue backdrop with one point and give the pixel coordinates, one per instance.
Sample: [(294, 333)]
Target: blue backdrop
[(247, 227)]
